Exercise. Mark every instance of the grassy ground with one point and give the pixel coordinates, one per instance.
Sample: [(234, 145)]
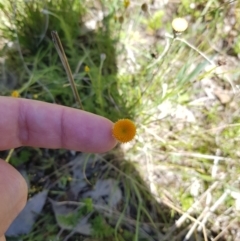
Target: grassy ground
[(180, 176)]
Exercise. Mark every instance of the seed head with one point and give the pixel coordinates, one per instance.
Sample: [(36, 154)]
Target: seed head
[(121, 19), (179, 24), (144, 7)]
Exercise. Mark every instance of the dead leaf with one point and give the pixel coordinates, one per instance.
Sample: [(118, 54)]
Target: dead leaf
[(79, 167), (68, 217), (25, 220), (224, 97), (107, 189)]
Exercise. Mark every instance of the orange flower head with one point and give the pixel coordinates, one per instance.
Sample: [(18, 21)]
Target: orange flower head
[(124, 130)]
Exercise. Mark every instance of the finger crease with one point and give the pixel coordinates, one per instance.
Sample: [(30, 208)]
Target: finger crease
[(62, 129), (23, 126)]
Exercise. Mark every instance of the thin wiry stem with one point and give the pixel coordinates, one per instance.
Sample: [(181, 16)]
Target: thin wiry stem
[(204, 56), (9, 155), (173, 228), (192, 47), (214, 208), (193, 228), (62, 55), (187, 215), (225, 229)]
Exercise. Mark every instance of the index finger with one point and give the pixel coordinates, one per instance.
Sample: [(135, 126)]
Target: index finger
[(33, 123)]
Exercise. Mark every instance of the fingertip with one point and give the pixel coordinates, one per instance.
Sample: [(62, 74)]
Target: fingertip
[(110, 142), (97, 136)]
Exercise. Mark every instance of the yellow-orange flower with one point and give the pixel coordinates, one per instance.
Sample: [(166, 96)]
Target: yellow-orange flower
[(86, 69), (124, 130), (15, 94), (126, 3)]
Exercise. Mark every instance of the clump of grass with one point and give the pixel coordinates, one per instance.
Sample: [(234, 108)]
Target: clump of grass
[(37, 65)]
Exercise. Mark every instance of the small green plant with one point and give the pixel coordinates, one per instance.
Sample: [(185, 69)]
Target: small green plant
[(21, 159), (70, 219), (101, 229), (155, 22), (88, 205), (73, 218), (236, 46)]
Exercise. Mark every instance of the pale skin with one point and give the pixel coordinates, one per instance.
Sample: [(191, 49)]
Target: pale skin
[(38, 124)]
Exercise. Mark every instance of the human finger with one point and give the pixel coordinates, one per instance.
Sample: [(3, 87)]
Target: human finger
[(13, 190), (33, 123)]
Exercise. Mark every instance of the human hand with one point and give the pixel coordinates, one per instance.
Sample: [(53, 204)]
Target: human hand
[(38, 124)]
